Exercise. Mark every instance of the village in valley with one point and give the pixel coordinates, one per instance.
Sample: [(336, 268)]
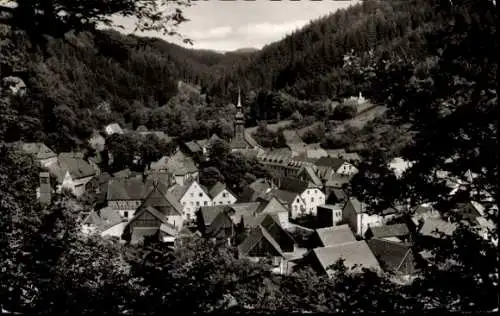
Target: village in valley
[(300, 216)]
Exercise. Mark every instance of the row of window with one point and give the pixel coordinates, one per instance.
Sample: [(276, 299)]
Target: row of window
[(205, 203), (201, 194)]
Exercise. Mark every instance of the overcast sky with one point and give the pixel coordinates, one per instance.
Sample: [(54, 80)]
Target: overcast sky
[(229, 25)]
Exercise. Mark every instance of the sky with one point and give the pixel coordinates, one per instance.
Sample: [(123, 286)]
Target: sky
[(228, 25)]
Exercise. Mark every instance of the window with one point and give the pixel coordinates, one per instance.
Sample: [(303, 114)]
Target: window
[(312, 200), (192, 194), (200, 194), (205, 203), (125, 214), (316, 191), (183, 203), (188, 217), (298, 200), (197, 203), (224, 194), (191, 203), (220, 202)]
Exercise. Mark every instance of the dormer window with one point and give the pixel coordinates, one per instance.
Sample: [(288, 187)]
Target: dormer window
[(224, 194)]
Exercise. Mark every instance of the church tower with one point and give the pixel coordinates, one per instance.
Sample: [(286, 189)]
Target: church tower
[(239, 120)]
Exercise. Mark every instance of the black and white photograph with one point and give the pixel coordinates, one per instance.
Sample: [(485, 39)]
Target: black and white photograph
[(248, 156)]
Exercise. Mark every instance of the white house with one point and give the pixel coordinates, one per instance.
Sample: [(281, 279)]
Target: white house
[(191, 196), (310, 193), (326, 166), (221, 195), (292, 200), (356, 215), (274, 206)]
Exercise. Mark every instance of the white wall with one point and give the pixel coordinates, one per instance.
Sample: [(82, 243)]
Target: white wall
[(312, 199), (347, 169), (194, 197), (224, 198)]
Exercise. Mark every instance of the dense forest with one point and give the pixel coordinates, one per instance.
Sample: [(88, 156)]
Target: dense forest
[(432, 63)]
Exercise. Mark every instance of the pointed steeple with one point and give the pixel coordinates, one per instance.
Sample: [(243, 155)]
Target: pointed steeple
[(239, 99)]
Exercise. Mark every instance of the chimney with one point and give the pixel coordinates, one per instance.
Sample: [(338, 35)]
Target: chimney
[(45, 189)]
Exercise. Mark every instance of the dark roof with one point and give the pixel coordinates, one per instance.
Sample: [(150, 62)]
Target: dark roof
[(178, 190), (396, 230), (358, 206), (296, 185), (216, 189), (336, 235), (272, 206), (331, 162), (310, 175), (209, 213), (77, 167), (243, 209), (126, 189), (284, 196), (390, 254), (339, 194), (254, 237), (163, 202)]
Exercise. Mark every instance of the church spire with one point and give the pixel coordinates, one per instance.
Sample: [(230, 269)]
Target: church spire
[(239, 99)]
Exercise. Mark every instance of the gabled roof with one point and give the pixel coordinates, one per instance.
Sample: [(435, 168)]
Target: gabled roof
[(310, 175), (358, 206), (391, 255), (163, 202), (335, 235), (209, 213), (178, 191), (216, 189), (254, 237), (103, 219), (353, 253), (334, 163), (284, 196), (126, 189), (272, 206), (39, 150), (243, 209), (78, 168), (395, 230), (296, 185)]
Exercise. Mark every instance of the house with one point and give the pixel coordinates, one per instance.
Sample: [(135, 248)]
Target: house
[(331, 236), (355, 255), (206, 144), (220, 195), (310, 193), (274, 206), (126, 195), (307, 174), (394, 232), (106, 222), (72, 172), (336, 196), (259, 244), (239, 211), (271, 223), (97, 142), (191, 196), (160, 214), (98, 186), (192, 148), (293, 201), (398, 165), (355, 214), (113, 128), (394, 257), (222, 226), (206, 215), (43, 154), (182, 168), (241, 140), (337, 165), (255, 189), (329, 215)]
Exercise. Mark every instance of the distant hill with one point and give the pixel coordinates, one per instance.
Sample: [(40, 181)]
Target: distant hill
[(308, 63), (246, 50)]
